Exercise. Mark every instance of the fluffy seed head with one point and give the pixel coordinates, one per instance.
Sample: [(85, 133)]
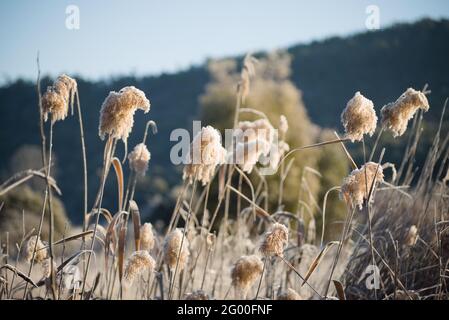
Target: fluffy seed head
[(172, 250), (139, 158), (206, 153), (356, 188), (136, 264), (395, 115), (197, 295), (289, 294), (41, 253), (359, 117), (58, 97), (412, 236), (146, 237), (246, 270), (117, 112), (275, 240), (254, 140)]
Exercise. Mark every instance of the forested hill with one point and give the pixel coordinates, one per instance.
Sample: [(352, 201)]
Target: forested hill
[(381, 64)]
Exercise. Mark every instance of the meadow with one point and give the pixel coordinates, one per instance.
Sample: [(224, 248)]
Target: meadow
[(236, 232)]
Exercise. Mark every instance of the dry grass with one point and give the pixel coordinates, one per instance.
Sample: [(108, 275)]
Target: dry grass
[(400, 225)]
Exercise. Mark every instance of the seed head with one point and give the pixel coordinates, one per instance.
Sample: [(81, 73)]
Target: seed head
[(395, 115), (246, 270), (58, 97), (139, 158), (117, 112), (136, 264), (289, 294), (275, 241), (146, 237), (254, 140), (41, 253), (206, 153), (172, 250), (356, 188), (359, 117)]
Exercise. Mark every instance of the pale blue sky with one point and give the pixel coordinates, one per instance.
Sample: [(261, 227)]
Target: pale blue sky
[(149, 37)]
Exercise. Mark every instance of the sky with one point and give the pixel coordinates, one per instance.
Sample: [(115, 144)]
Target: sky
[(150, 37)]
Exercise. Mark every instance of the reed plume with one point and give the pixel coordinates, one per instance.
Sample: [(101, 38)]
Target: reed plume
[(146, 237), (117, 112), (395, 115), (245, 271), (289, 294), (275, 241), (356, 188), (253, 140), (171, 249), (359, 118), (136, 264), (41, 251), (58, 97), (139, 158), (205, 154)]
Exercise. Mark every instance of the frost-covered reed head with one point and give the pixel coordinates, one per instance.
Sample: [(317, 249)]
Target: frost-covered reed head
[(253, 140), (275, 241), (197, 295), (146, 237), (41, 251), (356, 187), (117, 112), (139, 158), (137, 263), (248, 71), (58, 97), (395, 115), (245, 271), (289, 294), (359, 118), (172, 252), (205, 154), (412, 236)]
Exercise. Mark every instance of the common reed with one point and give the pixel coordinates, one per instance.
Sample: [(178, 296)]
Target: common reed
[(236, 240), (396, 115), (206, 153), (359, 117)]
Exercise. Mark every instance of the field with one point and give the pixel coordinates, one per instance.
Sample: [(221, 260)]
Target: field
[(251, 217)]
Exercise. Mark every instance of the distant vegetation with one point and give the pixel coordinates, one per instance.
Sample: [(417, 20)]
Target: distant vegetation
[(379, 64)]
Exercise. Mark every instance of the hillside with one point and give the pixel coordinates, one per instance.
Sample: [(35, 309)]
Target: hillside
[(380, 64)]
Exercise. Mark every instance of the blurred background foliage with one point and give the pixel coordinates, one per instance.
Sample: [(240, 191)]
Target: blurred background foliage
[(310, 85)]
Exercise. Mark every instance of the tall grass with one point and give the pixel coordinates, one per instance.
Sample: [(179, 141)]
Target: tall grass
[(395, 223)]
